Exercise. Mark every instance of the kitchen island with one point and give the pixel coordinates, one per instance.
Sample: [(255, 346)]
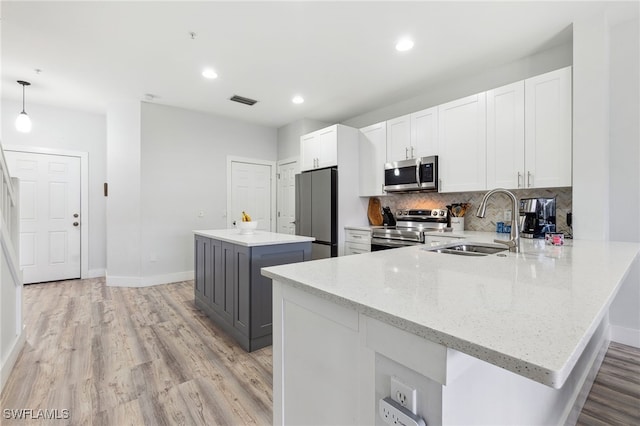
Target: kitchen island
[(228, 286), (501, 339)]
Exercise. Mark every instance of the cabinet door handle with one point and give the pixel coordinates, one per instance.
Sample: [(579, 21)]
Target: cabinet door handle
[(406, 152), (439, 184), (519, 175), (412, 156), (529, 179)]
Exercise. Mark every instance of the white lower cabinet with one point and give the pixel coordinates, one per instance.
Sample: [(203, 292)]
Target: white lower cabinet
[(357, 241), (356, 248)]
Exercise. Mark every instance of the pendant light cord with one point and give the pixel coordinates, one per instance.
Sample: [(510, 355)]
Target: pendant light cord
[(23, 84)]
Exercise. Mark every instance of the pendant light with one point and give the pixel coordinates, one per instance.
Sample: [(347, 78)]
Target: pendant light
[(23, 122)]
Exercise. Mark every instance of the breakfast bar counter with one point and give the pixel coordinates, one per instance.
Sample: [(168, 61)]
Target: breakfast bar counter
[(541, 314)]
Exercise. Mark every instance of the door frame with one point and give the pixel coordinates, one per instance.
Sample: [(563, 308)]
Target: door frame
[(259, 162), (279, 164), (84, 194)]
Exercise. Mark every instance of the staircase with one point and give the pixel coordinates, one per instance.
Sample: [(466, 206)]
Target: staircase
[(12, 334)]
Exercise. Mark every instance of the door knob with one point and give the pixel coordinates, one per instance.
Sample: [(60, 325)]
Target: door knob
[(234, 223), (75, 224)]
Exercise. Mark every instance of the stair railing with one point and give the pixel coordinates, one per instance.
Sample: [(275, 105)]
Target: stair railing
[(9, 219)]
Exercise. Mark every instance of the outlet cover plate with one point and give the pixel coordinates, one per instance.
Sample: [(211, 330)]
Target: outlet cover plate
[(404, 395)]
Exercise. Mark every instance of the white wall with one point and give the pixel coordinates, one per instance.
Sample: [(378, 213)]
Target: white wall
[(591, 127), (123, 201), (64, 129), (183, 171), (476, 81), (624, 177), (289, 136), (624, 146)]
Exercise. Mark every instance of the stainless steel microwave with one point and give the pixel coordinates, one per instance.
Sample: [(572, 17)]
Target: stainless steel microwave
[(417, 174)]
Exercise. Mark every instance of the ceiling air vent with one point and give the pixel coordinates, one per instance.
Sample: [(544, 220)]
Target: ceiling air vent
[(242, 100)]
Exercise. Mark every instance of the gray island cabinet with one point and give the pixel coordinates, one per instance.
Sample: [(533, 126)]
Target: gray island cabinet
[(228, 285)]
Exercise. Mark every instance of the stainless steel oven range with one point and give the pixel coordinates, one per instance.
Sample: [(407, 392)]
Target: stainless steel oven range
[(409, 229)]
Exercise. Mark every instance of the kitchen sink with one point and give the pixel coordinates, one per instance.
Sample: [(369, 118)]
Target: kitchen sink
[(469, 249)]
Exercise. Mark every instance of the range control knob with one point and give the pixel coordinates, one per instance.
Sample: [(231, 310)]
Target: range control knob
[(441, 212), (406, 212), (399, 213)]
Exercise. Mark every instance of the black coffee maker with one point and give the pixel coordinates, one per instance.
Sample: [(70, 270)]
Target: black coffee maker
[(537, 216)]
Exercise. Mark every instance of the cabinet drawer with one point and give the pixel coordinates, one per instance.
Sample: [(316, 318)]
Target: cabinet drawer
[(358, 236), (356, 248)]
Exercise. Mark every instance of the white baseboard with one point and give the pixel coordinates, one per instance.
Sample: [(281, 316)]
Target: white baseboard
[(96, 273), (626, 336), (120, 281), (11, 359)]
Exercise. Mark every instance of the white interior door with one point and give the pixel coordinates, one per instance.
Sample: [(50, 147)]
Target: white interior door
[(49, 215), (287, 197), (250, 191)]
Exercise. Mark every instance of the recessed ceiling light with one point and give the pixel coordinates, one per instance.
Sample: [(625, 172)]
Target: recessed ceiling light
[(297, 99), (209, 73), (404, 44)]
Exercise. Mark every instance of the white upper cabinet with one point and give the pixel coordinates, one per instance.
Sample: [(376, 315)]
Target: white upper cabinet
[(424, 132), (413, 135), (308, 152), (505, 136), (372, 156), (548, 130), (319, 149), (399, 138), (462, 144)]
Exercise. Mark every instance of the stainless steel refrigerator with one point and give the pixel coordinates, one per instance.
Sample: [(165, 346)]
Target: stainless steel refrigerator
[(317, 210)]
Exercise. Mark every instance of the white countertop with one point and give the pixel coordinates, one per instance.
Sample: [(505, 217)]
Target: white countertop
[(258, 238), (531, 313)]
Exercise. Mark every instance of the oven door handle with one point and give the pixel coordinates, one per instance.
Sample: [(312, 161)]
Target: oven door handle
[(393, 243), (418, 165)]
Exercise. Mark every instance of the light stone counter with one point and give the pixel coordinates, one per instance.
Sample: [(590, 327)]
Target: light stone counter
[(531, 313), (258, 238)]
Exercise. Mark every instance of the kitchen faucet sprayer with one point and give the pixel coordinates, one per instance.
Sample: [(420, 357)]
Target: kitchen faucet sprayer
[(514, 242)]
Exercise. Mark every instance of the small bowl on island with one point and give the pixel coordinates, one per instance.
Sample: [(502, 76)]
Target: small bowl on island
[(247, 228)]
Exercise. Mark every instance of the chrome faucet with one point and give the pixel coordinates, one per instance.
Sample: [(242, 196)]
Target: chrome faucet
[(514, 242)]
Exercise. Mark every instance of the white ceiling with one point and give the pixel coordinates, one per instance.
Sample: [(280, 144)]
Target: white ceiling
[(339, 55)]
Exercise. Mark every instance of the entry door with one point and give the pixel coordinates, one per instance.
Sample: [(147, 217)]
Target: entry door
[(250, 192), (287, 197), (49, 215)]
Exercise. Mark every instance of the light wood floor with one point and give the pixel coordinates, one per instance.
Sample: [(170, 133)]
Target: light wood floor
[(615, 395), (133, 356), (118, 356)]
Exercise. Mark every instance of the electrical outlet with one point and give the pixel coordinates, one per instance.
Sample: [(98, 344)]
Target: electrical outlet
[(507, 215), (394, 414), (404, 395)]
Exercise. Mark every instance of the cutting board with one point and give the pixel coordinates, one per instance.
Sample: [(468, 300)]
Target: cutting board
[(374, 212)]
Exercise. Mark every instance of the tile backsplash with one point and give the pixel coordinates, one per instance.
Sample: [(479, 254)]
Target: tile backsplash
[(495, 208)]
